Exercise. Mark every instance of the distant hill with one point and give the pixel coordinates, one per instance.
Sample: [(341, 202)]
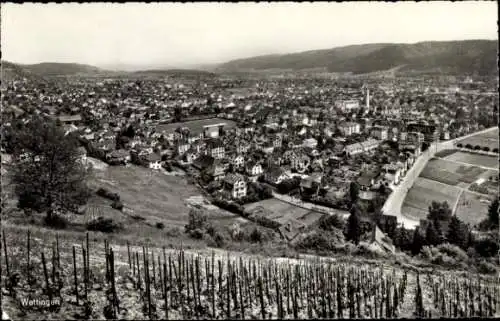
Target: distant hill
[(450, 57), (175, 72), (52, 69)]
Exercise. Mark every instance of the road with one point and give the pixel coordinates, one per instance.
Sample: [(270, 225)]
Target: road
[(395, 200)]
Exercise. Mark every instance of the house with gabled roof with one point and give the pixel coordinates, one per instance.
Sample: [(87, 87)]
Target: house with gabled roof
[(275, 175), (235, 184)]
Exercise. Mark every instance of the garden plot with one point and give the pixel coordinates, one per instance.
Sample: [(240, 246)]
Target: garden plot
[(421, 195), (448, 172), (472, 208), (474, 159), (488, 139)]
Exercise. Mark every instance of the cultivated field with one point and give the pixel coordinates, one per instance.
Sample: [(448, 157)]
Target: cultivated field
[(282, 212), (279, 211), (421, 195), (99, 280), (472, 208), (474, 159), (450, 173), (195, 125), (489, 139)]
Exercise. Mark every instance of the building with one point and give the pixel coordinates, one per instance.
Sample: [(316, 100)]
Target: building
[(70, 119), (358, 148), (392, 173), (380, 132), (253, 168), (154, 161), (349, 128), (215, 148), (310, 142), (299, 162), (275, 175), (213, 130), (430, 132), (347, 105), (239, 161), (236, 185)]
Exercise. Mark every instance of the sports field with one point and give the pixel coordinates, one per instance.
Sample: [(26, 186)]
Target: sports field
[(195, 125)]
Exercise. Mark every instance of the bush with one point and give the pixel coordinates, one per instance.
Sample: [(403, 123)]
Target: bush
[(459, 145), (444, 254), (174, 232), (160, 225), (486, 267), (196, 233), (231, 207), (316, 241), (197, 220), (219, 239), (103, 192), (105, 225), (256, 236), (117, 205), (56, 221), (487, 247), (366, 251), (329, 222)]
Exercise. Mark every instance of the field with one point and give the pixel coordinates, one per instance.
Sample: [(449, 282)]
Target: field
[(474, 159), (489, 139), (450, 173), (470, 209), (195, 125), (280, 211), (422, 193), (99, 280), (153, 195)]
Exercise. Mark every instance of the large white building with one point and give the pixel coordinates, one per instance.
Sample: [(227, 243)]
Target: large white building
[(347, 105), (349, 128)]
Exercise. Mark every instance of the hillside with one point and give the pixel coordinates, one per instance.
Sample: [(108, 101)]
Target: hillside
[(49, 69), (453, 57), (174, 72)]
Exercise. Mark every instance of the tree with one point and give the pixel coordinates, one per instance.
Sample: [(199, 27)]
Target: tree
[(353, 192), (403, 239), (417, 242), (433, 234), (457, 233), (354, 226), (493, 213), (48, 177), (177, 114), (197, 220), (439, 211)]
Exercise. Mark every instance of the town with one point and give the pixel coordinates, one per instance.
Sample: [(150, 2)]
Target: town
[(249, 161), (299, 140)]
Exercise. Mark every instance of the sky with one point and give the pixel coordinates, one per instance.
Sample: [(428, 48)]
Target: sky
[(176, 34)]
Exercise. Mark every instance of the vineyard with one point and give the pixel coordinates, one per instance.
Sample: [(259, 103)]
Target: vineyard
[(101, 280)]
